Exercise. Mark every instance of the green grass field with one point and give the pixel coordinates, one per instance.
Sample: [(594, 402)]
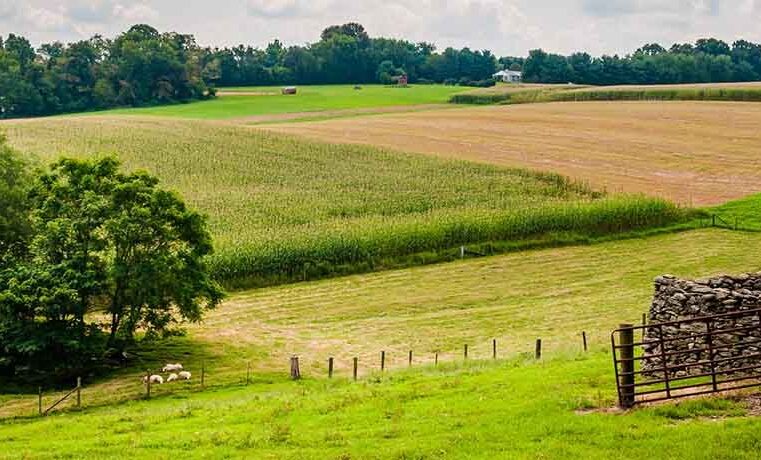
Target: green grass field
[(253, 101), (284, 209), (553, 294), (514, 409), (744, 213)]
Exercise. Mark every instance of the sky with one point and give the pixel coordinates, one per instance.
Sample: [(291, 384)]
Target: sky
[(507, 27)]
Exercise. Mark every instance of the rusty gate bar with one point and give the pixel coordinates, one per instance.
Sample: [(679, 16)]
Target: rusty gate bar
[(709, 366)]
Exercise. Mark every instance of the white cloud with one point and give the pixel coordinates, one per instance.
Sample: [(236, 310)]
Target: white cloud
[(504, 26), (8, 9), (287, 8), (47, 19), (139, 12)]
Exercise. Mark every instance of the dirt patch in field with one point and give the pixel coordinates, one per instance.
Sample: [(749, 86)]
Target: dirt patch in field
[(699, 153)]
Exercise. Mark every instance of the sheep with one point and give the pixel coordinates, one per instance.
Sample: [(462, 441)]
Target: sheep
[(172, 377), (154, 379), (184, 375), (172, 367)]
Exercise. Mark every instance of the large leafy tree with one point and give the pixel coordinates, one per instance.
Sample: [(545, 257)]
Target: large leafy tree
[(105, 245), (14, 207)]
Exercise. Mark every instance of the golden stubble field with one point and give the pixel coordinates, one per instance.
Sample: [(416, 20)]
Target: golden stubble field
[(697, 153)]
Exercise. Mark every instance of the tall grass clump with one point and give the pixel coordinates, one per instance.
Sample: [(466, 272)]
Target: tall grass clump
[(375, 243)]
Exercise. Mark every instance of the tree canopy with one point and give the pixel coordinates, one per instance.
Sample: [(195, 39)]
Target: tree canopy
[(707, 61), (143, 66), (108, 254), (139, 67)]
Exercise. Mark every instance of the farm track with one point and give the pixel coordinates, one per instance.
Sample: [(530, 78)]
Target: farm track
[(698, 153)]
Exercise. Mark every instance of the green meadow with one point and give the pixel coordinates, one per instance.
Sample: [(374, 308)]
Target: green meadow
[(254, 101), (518, 409)]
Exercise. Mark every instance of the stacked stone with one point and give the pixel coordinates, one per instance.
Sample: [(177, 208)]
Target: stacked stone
[(678, 299)]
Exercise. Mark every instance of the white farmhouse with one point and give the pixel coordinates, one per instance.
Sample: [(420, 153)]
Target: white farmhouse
[(508, 76)]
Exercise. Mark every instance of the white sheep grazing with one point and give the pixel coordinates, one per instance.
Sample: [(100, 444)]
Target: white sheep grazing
[(154, 379), (172, 377), (172, 367), (184, 375)]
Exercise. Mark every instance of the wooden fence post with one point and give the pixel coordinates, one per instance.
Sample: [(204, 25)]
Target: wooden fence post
[(383, 360), (248, 373), (584, 339), (644, 323), (203, 375), (627, 365), (330, 367), (462, 252), (79, 392), (410, 358), (465, 351), (356, 366), (538, 350), (295, 372), (494, 348), (39, 400), (436, 359)]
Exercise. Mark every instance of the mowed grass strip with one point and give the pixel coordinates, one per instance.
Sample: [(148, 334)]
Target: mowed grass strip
[(284, 209), (552, 294), (695, 153), (254, 101), (515, 409)]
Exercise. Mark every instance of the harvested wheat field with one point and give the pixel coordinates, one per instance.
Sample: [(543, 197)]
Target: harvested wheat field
[(698, 153)]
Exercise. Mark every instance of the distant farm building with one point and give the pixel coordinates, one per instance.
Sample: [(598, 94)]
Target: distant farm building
[(508, 76), (401, 80), (289, 90)]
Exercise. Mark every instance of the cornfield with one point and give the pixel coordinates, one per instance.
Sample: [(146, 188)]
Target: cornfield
[(570, 93), (282, 208)]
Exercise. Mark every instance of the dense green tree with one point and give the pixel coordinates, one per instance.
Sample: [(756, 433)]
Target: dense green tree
[(709, 60), (101, 240), (15, 226)]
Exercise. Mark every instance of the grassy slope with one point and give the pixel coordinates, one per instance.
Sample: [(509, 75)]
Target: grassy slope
[(309, 99), (746, 212), (553, 294), (284, 208), (511, 410)]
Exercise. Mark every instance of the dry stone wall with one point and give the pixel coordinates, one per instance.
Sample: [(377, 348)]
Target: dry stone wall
[(679, 299)]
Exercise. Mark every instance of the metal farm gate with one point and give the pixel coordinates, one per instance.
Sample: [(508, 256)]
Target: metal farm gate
[(697, 356)]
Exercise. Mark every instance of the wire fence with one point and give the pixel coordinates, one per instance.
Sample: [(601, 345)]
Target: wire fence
[(139, 386)]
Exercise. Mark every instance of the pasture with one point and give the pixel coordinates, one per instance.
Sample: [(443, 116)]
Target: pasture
[(284, 209), (507, 409), (252, 103), (558, 408), (553, 294), (694, 153)]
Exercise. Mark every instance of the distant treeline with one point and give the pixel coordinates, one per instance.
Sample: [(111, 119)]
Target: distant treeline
[(145, 67), (139, 67), (707, 61), (347, 54)]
